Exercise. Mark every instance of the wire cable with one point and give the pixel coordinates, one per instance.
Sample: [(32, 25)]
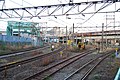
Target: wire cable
[(60, 1), (27, 2), (16, 3), (102, 7), (3, 4)]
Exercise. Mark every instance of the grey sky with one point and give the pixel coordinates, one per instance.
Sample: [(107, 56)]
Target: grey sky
[(78, 20)]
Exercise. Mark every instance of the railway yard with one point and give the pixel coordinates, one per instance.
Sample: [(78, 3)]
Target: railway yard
[(61, 64), (60, 40)]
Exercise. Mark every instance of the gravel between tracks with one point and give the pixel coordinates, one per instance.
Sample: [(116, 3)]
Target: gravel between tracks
[(105, 71), (20, 72), (23, 56), (62, 74)]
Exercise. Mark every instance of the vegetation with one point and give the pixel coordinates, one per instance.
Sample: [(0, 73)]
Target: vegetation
[(8, 48)]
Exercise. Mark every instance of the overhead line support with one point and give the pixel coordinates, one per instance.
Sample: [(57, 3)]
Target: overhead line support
[(58, 6), (55, 10), (49, 6), (6, 13), (17, 13)]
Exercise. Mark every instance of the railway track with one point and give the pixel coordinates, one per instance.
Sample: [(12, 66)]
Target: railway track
[(45, 73), (48, 72), (95, 62), (27, 60), (22, 52)]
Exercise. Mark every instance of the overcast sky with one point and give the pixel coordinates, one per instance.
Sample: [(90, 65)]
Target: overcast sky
[(62, 21)]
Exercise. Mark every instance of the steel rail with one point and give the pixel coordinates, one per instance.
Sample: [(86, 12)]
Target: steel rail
[(91, 69), (76, 57), (21, 52), (86, 64), (27, 60)]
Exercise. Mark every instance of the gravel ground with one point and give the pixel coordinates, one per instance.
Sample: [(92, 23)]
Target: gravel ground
[(15, 58), (106, 70), (22, 71), (23, 56), (62, 74)]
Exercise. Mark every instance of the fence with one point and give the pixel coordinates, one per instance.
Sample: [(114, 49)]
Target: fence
[(4, 39)]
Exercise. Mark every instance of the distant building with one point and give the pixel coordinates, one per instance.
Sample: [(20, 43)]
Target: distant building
[(25, 29)]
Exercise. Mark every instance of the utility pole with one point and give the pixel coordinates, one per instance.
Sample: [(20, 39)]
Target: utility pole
[(73, 32), (19, 30), (66, 38), (76, 38), (66, 33), (102, 35), (19, 33), (106, 31), (73, 28), (114, 25)]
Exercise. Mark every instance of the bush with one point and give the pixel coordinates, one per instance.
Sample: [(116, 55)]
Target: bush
[(75, 49), (3, 47), (113, 55)]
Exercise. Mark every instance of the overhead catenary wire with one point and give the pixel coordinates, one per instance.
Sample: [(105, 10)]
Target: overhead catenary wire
[(56, 21), (16, 3), (94, 2), (90, 5), (27, 2), (3, 4), (102, 7), (85, 8), (79, 12), (22, 3), (52, 15), (21, 16), (60, 1), (21, 6)]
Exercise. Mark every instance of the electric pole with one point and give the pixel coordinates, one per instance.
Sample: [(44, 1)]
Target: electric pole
[(66, 38), (73, 28), (102, 34), (73, 32)]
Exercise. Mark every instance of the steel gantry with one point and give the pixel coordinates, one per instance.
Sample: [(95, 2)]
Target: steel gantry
[(51, 10)]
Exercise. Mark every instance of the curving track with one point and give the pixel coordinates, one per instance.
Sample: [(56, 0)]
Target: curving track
[(27, 60), (50, 71), (94, 62), (47, 72), (22, 52)]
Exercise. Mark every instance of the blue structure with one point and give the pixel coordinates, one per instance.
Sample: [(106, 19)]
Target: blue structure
[(14, 39), (117, 77), (17, 29), (21, 27)]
